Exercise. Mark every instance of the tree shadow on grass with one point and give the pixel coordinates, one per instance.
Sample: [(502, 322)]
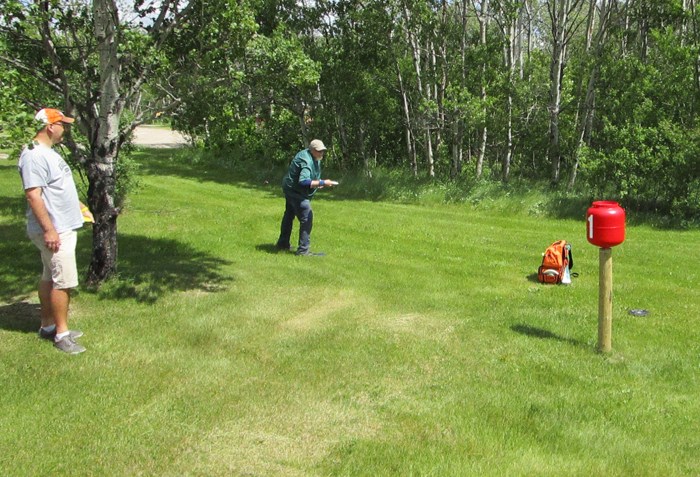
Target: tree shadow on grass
[(14, 206), (20, 265), (19, 270), (541, 333), (148, 268), (271, 248), (21, 316)]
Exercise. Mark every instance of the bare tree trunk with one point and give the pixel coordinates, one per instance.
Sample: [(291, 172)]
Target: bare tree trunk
[(429, 152), (505, 173), (628, 21), (422, 88), (644, 30), (556, 68), (458, 122), (561, 24), (101, 165), (410, 141), (508, 26), (528, 10), (519, 48), (441, 74), (483, 26), (429, 96)]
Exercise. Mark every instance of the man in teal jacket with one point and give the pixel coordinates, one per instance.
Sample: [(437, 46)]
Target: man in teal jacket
[(300, 183)]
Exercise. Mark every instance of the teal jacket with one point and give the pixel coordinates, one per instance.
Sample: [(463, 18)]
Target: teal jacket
[(302, 170)]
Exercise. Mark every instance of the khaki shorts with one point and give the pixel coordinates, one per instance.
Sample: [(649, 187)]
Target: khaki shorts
[(60, 267)]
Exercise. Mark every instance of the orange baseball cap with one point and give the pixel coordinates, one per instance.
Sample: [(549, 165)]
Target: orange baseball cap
[(52, 116)]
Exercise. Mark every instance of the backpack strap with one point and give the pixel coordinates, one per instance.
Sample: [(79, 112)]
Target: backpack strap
[(570, 256)]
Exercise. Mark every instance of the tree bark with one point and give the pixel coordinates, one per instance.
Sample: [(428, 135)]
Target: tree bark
[(408, 129), (458, 123), (105, 147), (509, 20), (483, 26), (560, 12), (595, 46)]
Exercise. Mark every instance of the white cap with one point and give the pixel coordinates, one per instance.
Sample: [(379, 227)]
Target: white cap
[(317, 145)]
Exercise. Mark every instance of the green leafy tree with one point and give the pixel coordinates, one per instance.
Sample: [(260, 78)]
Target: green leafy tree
[(83, 55), (645, 150)]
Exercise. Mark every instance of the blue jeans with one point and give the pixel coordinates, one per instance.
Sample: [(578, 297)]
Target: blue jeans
[(301, 209)]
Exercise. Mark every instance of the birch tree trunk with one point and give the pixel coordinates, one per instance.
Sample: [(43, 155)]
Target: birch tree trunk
[(423, 86), (561, 25), (101, 168), (628, 21), (441, 73), (482, 16), (595, 46), (408, 128), (684, 26), (429, 96), (508, 19), (458, 121), (557, 9), (527, 13)]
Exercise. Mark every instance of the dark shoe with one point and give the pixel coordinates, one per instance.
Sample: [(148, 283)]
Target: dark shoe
[(67, 345), (74, 334), (283, 248), (309, 253)]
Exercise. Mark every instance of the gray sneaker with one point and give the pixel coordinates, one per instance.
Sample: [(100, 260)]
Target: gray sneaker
[(74, 334), (67, 345), (309, 253)]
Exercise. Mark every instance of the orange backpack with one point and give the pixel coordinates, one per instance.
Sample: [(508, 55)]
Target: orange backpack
[(555, 261)]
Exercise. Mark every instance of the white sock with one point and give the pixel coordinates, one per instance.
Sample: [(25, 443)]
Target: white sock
[(60, 336), (49, 329)]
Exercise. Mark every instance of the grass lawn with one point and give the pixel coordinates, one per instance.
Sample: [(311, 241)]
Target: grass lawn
[(421, 345)]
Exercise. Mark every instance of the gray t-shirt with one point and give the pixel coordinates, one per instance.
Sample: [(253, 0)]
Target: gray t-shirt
[(43, 167)]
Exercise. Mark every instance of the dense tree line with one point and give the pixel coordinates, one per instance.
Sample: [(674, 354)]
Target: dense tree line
[(599, 95), (594, 95)]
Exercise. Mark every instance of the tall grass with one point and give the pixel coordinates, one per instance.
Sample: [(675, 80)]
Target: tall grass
[(422, 343)]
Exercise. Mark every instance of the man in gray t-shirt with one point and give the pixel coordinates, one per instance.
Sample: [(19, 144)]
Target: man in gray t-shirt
[(54, 214)]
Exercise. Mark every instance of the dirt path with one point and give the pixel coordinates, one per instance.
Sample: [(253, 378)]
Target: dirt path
[(157, 136), (151, 136)]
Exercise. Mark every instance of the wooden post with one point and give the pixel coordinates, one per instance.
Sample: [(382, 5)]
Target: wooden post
[(605, 301)]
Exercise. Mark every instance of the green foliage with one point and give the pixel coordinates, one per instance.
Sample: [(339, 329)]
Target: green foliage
[(280, 61), (651, 169), (644, 151), (17, 124), (254, 80), (127, 178)]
